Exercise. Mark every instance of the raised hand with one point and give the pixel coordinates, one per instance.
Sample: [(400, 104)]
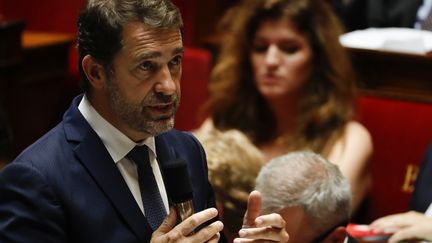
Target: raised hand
[(264, 228)]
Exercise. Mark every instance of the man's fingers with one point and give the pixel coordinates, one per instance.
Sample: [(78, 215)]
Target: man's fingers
[(270, 227), (167, 224), (256, 228), (185, 231), (208, 233), (253, 209), (241, 240), (214, 239), (265, 233), (270, 220), (190, 224)]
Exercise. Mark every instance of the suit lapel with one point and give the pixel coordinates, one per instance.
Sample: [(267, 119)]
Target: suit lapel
[(96, 159), (106, 174)]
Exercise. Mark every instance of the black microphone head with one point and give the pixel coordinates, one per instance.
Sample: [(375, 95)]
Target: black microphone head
[(177, 181)]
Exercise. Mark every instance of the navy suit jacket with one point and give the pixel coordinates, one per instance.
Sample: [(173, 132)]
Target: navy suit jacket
[(66, 187), (422, 195)]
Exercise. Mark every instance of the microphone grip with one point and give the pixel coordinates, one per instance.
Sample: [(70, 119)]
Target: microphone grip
[(184, 209)]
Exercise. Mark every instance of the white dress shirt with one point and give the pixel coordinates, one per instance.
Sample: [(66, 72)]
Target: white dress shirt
[(429, 211), (118, 146)]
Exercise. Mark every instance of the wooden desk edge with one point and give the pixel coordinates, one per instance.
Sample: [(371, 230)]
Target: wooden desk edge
[(32, 39)]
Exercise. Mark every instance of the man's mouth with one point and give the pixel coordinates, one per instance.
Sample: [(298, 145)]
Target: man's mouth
[(161, 109)]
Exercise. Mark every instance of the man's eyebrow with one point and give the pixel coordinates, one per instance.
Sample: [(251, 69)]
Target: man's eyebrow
[(156, 54), (148, 55), (179, 50)]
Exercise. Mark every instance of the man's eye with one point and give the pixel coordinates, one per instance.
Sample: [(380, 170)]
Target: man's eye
[(176, 60), (147, 66)]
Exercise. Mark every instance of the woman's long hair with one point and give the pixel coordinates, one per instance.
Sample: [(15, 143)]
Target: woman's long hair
[(327, 104)]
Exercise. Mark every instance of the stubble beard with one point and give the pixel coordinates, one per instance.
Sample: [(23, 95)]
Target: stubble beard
[(137, 115)]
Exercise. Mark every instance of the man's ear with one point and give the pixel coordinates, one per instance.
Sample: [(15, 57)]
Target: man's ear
[(337, 236), (94, 71)]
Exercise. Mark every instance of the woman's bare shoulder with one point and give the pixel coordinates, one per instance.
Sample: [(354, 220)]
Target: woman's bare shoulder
[(354, 145), (205, 127), (357, 135)]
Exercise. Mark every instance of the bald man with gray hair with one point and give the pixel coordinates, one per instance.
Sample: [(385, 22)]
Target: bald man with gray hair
[(310, 193)]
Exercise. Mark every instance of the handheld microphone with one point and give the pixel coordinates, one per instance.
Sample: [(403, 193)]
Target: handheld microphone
[(179, 187)]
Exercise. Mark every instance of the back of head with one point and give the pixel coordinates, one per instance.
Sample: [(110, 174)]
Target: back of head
[(233, 164), (306, 180), (100, 25)]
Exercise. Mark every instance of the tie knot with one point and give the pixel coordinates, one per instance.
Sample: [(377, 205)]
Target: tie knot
[(139, 154)]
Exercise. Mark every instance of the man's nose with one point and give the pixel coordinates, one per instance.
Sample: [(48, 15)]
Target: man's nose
[(165, 83)]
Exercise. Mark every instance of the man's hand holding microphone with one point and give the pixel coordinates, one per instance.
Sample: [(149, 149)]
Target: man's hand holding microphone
[(256, 228)]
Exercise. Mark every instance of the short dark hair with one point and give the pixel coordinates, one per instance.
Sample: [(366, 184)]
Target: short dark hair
[(101, 22)]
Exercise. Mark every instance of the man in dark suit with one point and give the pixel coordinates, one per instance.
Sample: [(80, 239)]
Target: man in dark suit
[(415, 224), (421, 198), (96, 176)]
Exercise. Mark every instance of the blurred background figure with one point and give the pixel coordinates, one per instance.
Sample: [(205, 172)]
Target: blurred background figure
[(310, 193), (5, 140), (415, 224), (283, 79), (361, 14), (406, 227), (233, 164)]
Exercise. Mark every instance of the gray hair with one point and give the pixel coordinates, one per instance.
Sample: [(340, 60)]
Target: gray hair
[(307, 180), (100, 25)]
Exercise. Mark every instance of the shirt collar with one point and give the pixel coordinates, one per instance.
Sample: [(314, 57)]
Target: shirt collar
[(116, 142)]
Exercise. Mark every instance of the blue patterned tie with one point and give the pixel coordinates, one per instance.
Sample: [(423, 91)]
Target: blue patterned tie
[(154, 208)]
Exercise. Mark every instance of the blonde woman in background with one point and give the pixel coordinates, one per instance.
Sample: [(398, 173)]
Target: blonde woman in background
[(233, 164)]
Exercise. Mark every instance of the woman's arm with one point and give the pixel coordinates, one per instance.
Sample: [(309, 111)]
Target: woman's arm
[(352, 153)]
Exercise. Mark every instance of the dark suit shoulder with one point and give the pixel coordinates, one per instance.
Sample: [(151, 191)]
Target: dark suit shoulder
[(183, 142), (28, 196), (47, 149), (180, 138), (422, 195)]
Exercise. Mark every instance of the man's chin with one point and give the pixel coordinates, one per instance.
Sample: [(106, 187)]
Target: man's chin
[(160, 126)]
